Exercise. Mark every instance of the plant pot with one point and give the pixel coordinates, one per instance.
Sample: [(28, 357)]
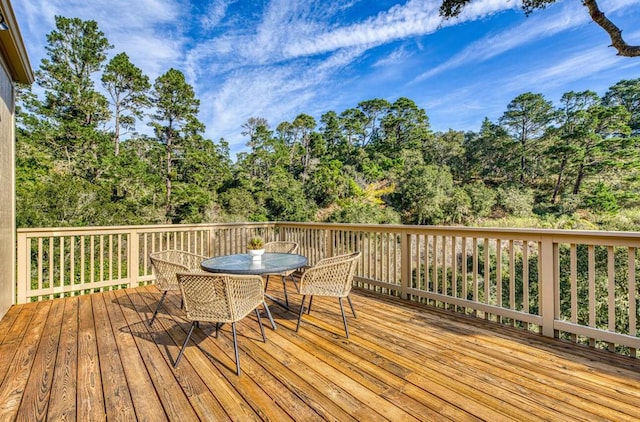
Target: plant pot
[(256, 254)]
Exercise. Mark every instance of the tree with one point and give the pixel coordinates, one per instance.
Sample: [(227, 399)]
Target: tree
[(285, 199), (72, 107), (302, 126), (175, 120), (372, 112), (526, 119), (328, 183), (127, 86), (200, 173), (76, 50), (251, 128), (266, 153), (490, 155), (352, 122), (423, 191), (605, 144), (405, 125), (626, 93), (62, 158), (446, 149), (453, 8), (338, 145), (573, 117)]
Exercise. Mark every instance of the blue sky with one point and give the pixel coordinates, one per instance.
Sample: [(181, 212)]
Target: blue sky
[(279, 58)]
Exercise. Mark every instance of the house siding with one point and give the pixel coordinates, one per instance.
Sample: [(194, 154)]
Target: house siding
[(7, 190)]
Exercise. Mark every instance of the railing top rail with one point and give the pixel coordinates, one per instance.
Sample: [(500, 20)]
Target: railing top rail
[(490, 232), (156, 227), (530, 234)]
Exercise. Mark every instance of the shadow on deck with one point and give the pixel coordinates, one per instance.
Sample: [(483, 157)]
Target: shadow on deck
[(94, 357)]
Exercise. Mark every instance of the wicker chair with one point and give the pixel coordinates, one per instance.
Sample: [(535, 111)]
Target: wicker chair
[(329, 277), (165, 265), (221, 298), (282, 247)]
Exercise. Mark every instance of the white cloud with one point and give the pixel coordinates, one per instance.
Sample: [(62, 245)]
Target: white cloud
[(574, 67), (532, 29), (278, 58), (215, 14), (538, 26)]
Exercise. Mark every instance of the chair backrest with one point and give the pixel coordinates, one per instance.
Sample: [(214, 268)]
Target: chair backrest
[(169, 262), (219, 297), (281, 246), (331, 276)]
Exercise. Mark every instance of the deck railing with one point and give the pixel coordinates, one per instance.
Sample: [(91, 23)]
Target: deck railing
[(580, 286)]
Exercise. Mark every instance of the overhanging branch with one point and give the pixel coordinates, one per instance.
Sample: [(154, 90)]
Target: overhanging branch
[(614, 32)]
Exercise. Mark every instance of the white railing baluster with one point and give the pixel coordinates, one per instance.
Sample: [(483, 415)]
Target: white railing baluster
[(552, 279)]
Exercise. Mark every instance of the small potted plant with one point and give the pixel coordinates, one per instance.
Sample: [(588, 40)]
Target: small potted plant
[(255, 247)]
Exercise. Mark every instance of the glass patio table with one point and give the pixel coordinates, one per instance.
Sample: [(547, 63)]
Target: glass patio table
[(269, 263)]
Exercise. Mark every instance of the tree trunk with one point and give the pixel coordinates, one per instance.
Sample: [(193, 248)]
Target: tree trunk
[(579, 178), (169, 208), (116, 136), (556, 189)]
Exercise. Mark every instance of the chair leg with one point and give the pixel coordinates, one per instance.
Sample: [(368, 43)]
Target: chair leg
[(157, 308), (266, 308), (284, 287), (235, 347), (301, 312), (352, 308), (266, 283), (344, 317), (264, 338), (218, 325), (184, 345), (310, 302)]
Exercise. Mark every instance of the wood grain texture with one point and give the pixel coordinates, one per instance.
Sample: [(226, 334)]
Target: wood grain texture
[(35, 399), (96, 358), (62, 403)]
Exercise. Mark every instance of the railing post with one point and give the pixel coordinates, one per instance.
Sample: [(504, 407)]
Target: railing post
[(134, 258), (23, 268), (405, 264), (547, 283)]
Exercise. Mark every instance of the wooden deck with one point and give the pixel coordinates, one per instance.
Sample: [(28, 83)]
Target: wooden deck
[(94, 357)]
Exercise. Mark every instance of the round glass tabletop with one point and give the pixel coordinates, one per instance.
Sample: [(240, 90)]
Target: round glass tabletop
[(269, 263)]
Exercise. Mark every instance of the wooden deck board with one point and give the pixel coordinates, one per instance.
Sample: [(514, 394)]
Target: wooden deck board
[(62, 403), (95, 357), (90, 405), (143, 393), (35, 399), (118, 403)]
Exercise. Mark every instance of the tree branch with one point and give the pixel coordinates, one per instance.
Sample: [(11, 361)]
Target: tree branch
[(614, 32)]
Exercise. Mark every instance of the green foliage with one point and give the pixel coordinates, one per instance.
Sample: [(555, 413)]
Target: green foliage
[(377, 162), (482, 199), (76, 50), (516, 201), (127, 86), (240, 205), (457, 209), (423, 191), (626, 93), (601, 199), (286, 200), (328, 183), (526, 119), (363, 212)]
